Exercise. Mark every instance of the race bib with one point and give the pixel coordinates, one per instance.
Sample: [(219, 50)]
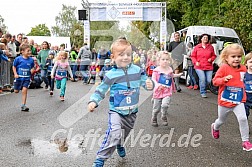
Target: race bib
[(49, 69), (62, 73), (126, 99), (232, 94), (152, 67), (248, 86), (24, 72), (165, 80)]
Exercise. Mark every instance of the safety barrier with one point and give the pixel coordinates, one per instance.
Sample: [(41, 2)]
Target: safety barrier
[(6, 76)]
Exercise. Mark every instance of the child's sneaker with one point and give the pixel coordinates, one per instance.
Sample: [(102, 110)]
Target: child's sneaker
[(121, 151), (51, 93), (195, 87), (62, 98), (154, 121), (247, 146), (24, 108), (164, 119), (215, 133), (98, 163), (190, 87)]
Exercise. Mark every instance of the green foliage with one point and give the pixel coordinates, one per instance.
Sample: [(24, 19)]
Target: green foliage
[(2, 25), (40, 30), (234, 14), (65, 21)]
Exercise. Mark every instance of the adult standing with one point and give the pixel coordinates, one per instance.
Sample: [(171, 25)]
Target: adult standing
[(12, 46), (33, 49), (94, 55), (177, 50), (203, 57), (103, 54), (42, 56), (84, 57), (18, 42), (73, 60)]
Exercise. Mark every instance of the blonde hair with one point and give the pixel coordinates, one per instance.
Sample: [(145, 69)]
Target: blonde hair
[(63, 53), (248, 57), (119, 42), (225, 52), (160, 53)]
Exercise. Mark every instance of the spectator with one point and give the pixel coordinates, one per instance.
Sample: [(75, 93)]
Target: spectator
[(12, 47), (85, 59), (18, 43), (202, 57), (177, 50), (103, 54), (42, 56)]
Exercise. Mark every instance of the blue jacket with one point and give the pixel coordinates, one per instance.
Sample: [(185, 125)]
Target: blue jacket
[(124, 87), (3, 57), (248, 88)]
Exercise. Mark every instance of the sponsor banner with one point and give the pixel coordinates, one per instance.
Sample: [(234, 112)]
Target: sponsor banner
[(125, 11)]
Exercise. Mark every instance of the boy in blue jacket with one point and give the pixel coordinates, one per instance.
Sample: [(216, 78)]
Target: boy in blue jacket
[(124, 81)]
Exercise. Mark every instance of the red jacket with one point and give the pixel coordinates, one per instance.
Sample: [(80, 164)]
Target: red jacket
[(150, 67), (201, 55), (236, 81)]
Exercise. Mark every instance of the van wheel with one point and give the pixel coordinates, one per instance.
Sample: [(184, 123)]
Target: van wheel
[(212, 88)]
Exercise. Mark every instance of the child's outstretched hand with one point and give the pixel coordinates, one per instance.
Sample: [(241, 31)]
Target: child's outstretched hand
[(178, 75), (227, 78), (91, 106), (149, 84)]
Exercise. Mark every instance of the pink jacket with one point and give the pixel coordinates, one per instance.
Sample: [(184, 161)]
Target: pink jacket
[(202, 55), (160, 90)]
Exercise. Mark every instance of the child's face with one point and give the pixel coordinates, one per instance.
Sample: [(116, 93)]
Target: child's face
[(63, 57), (164, 60), (122, 55), (234, 58), (50, 56), (249, 64), (26, 52)]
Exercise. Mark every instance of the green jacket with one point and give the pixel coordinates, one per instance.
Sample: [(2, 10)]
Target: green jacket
[(73, 56), (42, 56)]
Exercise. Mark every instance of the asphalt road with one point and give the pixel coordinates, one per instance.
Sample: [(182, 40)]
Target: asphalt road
[(38, 138)]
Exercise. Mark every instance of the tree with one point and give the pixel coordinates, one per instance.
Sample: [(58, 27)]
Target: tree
[(2, 25), (40, 30), (65, 21)]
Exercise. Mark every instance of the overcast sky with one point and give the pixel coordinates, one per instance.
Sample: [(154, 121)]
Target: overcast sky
[(21, 15)]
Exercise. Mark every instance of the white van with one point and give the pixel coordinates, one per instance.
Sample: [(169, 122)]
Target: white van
[(222, 35)]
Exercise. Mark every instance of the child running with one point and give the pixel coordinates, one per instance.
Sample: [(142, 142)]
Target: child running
[(61, 67), (124, 81), (164, 86), (49, 65), (231, 96), (248, 83), (23, 67)]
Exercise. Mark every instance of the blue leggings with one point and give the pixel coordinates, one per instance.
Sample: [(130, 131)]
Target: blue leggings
[(61, 84)]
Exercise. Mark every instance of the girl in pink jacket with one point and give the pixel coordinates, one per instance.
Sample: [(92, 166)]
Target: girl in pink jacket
[(162, 76)]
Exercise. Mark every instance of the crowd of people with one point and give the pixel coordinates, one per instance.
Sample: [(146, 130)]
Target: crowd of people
[(123, 69)]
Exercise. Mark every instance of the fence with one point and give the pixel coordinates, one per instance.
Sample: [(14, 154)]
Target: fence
[(6, 76)]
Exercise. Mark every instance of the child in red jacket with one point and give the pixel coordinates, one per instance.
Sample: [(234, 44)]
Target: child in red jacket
[(231, 96)]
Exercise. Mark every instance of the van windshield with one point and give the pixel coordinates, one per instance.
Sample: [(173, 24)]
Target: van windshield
[(219, 39)]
